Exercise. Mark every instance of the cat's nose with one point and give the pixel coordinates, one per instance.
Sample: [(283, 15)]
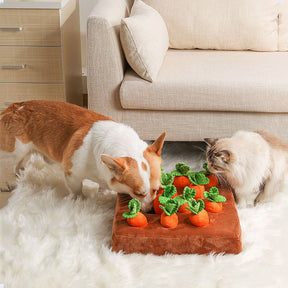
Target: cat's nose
[(208, 165), (212, 169)]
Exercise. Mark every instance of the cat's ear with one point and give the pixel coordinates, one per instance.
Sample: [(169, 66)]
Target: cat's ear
[(211, 141), (117, 166)]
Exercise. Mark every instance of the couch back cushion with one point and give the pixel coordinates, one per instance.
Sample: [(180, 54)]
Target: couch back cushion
[(283, 26), (221, 24)]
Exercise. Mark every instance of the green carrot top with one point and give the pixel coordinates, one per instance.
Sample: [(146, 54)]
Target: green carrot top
[(195, 206), (168, 193), (134, 207), (181, 169), (213, 195), (206, 172), (171, 207), (166, 179), (188, 195), (198, 178)]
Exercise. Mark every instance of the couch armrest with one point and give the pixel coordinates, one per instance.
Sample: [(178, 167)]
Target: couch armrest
[(106, 61)]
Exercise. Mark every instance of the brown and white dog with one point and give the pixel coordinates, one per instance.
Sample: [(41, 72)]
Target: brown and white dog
[(86, 144)]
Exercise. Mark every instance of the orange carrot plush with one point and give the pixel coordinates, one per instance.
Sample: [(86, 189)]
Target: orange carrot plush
[(181, 179), (165, 179), (183, 200), (213, 181), (169, 218), (199, 217), (198, 180), (156, 204), (213, 202), (199, 189), (134, 217)]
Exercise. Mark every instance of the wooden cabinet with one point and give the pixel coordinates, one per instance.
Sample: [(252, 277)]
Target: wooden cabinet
[(40, 54), (30, 27)]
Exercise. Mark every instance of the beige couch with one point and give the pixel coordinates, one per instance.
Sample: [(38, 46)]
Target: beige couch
[(197, 93)]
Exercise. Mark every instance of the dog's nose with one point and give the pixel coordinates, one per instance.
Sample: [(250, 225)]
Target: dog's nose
[(146, 207)]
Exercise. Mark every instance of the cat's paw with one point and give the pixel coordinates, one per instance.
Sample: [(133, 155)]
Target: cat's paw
[(241, 204), (245, 203)]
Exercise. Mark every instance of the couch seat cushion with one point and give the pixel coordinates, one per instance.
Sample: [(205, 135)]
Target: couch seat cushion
[(201, 80)]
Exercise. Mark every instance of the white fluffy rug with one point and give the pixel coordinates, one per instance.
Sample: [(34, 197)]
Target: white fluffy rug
[(51, 240)]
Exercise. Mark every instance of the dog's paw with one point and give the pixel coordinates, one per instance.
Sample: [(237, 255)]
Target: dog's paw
[(89, 188)]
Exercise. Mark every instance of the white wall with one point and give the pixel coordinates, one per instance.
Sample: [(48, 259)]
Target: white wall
[(85, 7)]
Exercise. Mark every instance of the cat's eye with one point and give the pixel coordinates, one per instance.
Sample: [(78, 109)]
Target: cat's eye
[(224, 156)]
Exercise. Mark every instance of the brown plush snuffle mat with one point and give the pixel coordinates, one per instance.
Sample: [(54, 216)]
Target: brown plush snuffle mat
[(222, 235)]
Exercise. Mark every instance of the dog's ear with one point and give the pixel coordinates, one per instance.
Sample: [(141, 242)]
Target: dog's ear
[(211, 141), (156, 147), (117, 166)]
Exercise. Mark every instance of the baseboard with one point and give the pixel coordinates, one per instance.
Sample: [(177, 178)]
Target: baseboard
[(84, 81)]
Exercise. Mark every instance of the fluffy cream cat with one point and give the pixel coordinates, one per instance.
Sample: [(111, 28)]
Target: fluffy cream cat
[(255, 164)]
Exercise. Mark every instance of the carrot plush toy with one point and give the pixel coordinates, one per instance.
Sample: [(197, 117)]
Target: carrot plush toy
[(169, 192), (198, 180), (134, 217), (165, 179), (199, 216), (169, 218), (188, 195), (212, 178), (181, 179), (213, 202)]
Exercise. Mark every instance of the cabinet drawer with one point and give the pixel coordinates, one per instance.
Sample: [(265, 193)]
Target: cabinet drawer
[(30, 27), (22, 92), (31, 64)]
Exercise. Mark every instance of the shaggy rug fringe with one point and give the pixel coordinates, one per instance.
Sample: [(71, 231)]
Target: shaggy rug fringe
[(51, 239)]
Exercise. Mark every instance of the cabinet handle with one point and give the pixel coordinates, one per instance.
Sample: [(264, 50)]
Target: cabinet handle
[(11, 28), (23, 66)]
